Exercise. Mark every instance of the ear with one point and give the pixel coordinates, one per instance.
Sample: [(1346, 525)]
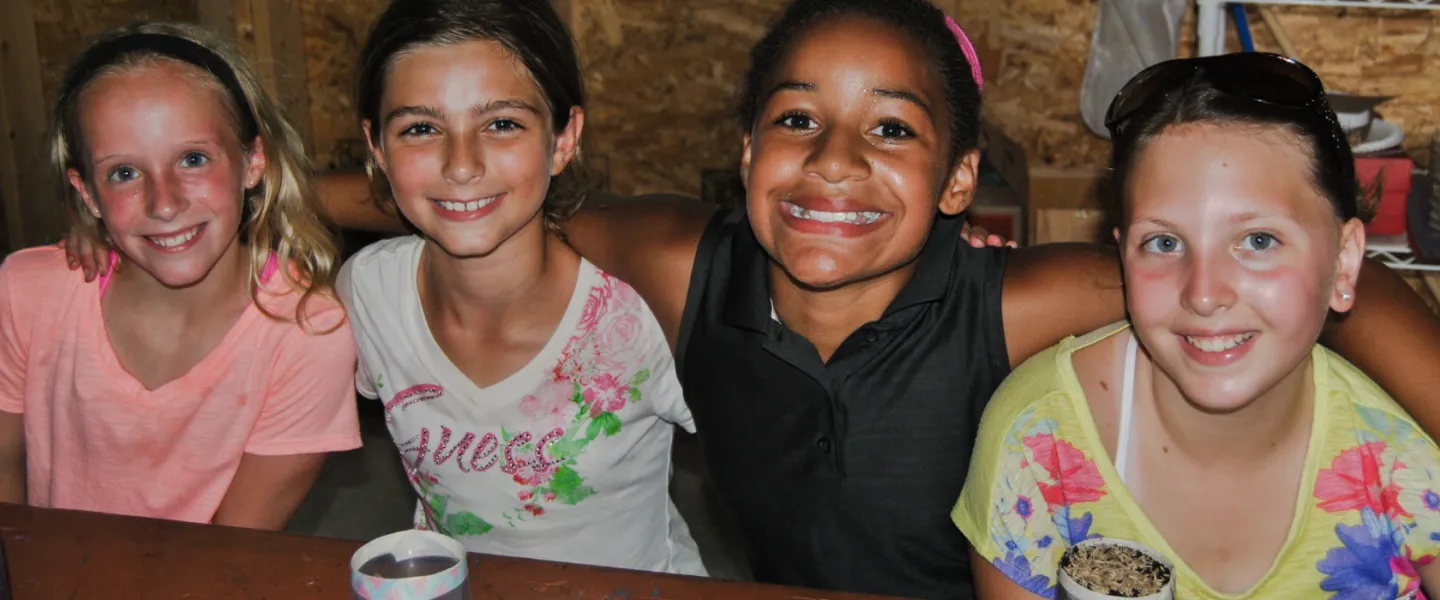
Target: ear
[(78, 182), (1347, 265), (745, 162), (959, 189), (377, 154), (255, 163), (567, 144)]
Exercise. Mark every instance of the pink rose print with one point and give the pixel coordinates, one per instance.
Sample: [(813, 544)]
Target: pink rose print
[(594, 308), (617, 346), (526, 495), (625, 296), (531, 477), (551, 403), (1353, 482), (535, 509), (1073, 477), (606, 394)]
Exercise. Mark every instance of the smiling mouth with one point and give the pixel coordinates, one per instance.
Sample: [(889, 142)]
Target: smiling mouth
[(470, 206), (176, 239), (864, 217), (1218, 343)]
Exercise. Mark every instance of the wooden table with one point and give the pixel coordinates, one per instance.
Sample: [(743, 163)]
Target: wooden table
[(68, 554)]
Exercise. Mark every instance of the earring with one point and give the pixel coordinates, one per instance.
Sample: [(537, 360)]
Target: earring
[(1345, 296)]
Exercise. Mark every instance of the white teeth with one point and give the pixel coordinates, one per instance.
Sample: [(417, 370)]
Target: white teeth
[(172, 241), (466, 206), (1218, 343), (849, 218)]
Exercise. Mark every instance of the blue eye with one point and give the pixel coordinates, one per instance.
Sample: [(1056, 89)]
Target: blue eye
[(123, 173), (1259, 241), (795, 121), (1162, 244), (893, 130), (194, 159)]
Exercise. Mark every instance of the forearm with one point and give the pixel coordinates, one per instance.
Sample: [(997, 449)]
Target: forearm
[(267, 490), (1394, 338), (349, 198)]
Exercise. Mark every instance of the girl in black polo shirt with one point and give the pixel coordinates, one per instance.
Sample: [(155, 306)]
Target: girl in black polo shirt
[(836, 343)]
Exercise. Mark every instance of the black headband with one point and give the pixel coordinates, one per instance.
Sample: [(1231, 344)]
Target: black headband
[(107, 52)]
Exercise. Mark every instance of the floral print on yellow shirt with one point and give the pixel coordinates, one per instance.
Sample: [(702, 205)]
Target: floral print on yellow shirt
[(1041, 481)]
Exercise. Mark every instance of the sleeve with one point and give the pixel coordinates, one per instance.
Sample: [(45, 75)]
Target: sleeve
[(14, 346), (1003, 510), (310, 400), (345, 288), (1417, 475), (663, 386)]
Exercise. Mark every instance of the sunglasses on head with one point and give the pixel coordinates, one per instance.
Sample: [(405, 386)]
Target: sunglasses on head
[(1264, 78)]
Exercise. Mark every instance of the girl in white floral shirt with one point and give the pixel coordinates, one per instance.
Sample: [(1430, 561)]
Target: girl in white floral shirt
[(532, 396)]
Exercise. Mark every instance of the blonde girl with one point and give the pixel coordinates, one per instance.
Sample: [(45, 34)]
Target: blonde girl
[(207, 380)]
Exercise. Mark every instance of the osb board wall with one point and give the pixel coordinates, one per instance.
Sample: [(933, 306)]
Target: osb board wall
[(662, 74), (62, 27)]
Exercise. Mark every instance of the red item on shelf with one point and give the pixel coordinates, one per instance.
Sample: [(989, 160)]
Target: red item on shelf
[(1394, 175)]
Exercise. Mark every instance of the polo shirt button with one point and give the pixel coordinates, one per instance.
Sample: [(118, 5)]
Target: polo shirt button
[(823, 444), (871, 337)]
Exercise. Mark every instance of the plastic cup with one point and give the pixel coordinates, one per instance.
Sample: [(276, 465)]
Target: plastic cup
[(1075, 590), (410, 565)]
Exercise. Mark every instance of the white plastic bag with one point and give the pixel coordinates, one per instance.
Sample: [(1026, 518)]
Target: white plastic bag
[(1129, 36)]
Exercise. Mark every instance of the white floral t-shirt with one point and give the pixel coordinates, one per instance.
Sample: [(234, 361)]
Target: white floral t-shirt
[(567, 459)]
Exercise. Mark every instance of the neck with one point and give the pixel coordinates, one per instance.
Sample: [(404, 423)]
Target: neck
[(827, 317), (515, 274), (1281, 414), (228, 279)]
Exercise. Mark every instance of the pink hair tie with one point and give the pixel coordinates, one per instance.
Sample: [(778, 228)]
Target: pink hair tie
[(969, 50)]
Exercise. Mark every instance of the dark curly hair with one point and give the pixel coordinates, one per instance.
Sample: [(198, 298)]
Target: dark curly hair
[(530, 30), (919, 19)]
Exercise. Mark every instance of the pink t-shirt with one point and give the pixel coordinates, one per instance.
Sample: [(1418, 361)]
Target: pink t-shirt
[(96, 439)]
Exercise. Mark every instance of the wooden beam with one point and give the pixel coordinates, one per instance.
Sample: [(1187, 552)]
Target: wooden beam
[(271, 35), (32, 212)]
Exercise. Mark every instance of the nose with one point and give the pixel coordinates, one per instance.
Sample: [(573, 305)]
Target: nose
[(1209, 288), (462, 161), (838, 157), (165, 198)]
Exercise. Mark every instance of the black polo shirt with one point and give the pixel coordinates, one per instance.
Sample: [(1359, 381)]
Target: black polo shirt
[(842, 475)]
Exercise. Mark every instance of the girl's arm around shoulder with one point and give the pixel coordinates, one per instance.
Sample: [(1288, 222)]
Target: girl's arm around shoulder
[(1057, 290), (648, 242), (309, 411)]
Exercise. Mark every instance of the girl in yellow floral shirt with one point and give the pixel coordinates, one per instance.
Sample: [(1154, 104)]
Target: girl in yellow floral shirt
[(1261, 464)]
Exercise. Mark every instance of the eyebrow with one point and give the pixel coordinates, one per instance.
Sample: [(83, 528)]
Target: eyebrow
[(479, 109), (800, 86)]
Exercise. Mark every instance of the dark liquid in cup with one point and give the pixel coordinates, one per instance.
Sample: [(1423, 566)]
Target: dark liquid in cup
[(388, 567)]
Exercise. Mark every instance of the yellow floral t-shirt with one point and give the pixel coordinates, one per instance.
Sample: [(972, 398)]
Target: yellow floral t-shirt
[(1041, 480)]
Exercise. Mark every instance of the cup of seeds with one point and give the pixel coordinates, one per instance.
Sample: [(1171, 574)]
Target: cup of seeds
[(1107, 568)]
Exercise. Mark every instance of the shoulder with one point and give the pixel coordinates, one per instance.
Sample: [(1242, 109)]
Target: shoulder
[(380, 268), (1041, 386), (40, 265), (1376, 415), (43, 273)]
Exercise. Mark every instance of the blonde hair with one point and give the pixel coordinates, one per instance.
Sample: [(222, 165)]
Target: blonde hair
[(282, 216)]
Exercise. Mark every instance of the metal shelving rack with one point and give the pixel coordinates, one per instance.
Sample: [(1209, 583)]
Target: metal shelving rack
[(1211, 23), (1394, 251)]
